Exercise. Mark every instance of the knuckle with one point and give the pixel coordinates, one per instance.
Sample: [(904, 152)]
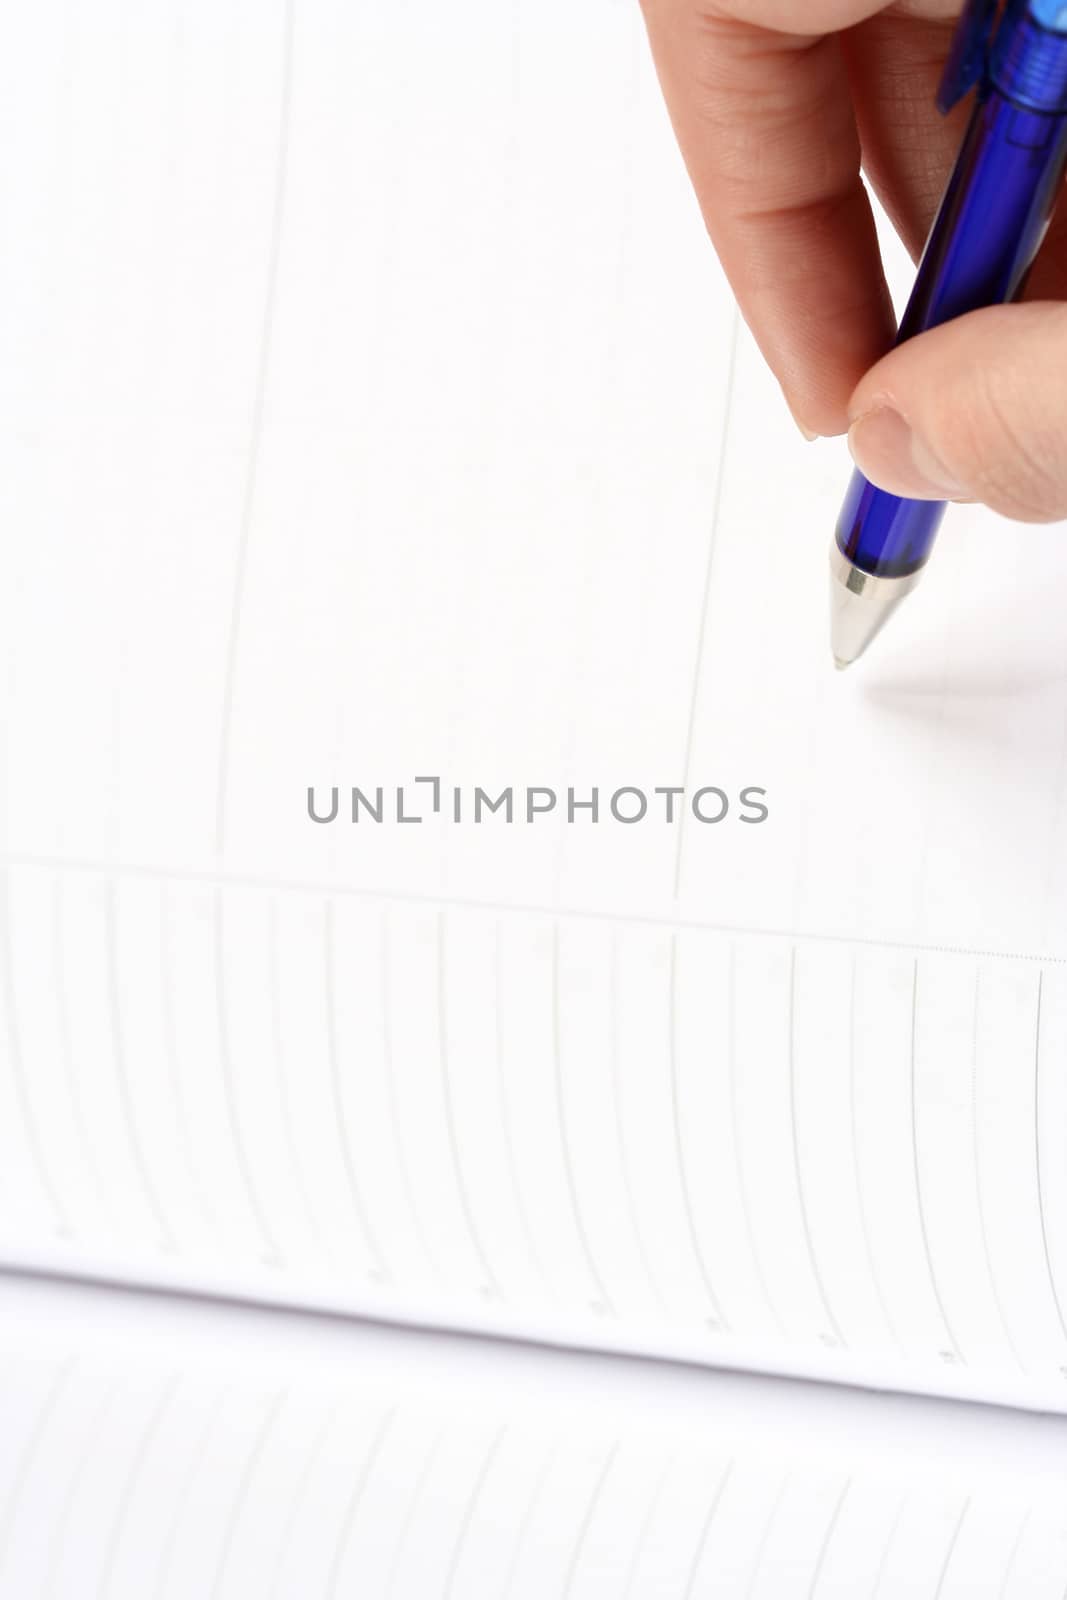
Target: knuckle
[(994, 444)]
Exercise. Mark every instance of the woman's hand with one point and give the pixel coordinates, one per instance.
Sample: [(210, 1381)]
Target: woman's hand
[(775, 104)]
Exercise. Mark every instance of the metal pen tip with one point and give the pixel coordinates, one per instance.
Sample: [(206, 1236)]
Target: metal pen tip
[(860, 606)]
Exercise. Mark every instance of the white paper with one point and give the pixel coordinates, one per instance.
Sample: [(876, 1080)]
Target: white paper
[(287, 1456), (372, 409)]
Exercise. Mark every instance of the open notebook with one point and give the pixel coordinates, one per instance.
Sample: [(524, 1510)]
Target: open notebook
[(372, 410), (284, 1457)]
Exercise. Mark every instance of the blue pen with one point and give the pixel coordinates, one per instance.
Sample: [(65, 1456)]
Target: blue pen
[(990, 227)]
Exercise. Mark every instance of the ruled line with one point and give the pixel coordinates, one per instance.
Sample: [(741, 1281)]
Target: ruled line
[(281, 1078), (891, 1539), (951, 1551), (244, 1486), (34, 1141), (857, 1166), (1009, 1570), (473, 1501), (805, 1220), (490, 1279), (141, 1165), (71, 1076), (646, 1528), (30, 1452), (587, 1521), (168, 1023), (828, 1540), (565, 1146), (523, 1530), (180, 1502), (511, 1158), (714, 1301), (765, 1537), (380, 1271), (407, 1521), (586, 583), (977, 1154), (133, 1475), (620, 1131), (1057, 1302), (259, 399), (705, 609), (917, 1172), (739, 1164), (87, 1457), (705, 1532), (351, 1514), (297, 1499), (403, 1167), (272, 1254)]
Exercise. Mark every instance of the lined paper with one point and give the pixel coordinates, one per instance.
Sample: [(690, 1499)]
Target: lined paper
[(371, 409), (291, 1456), (739, 1148)]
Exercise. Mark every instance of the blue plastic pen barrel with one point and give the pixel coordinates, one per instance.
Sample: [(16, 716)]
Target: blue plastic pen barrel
[(990, 227)]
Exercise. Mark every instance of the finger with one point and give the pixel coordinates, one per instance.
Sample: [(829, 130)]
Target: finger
[(895, 64), (974, 410), (766, 126)]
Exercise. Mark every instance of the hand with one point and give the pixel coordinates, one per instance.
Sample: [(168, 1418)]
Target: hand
[(775, 104)]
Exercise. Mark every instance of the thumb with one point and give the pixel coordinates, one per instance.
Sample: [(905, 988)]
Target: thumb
[(974, 410)]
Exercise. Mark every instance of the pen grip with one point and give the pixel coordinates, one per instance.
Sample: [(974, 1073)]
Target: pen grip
[(988, 231), (994, 216)]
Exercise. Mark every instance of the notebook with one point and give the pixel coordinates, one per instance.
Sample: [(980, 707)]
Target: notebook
[(444, 880), (285, 1456)]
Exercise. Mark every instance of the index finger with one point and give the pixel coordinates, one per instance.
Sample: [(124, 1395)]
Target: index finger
[(765, 123)]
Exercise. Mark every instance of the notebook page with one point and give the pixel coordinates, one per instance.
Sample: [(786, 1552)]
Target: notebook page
[(373, 416), (292, 1456)]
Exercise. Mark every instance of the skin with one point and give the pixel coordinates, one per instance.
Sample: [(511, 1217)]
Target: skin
[(777, 106)]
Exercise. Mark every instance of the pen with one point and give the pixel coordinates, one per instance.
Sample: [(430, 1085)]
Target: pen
[(991, 224)]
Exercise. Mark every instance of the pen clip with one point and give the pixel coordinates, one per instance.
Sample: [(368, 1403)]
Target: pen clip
[(969, 52)]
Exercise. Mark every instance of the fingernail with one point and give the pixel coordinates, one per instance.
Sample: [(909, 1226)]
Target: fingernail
[(806, 432), (887, 451)]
